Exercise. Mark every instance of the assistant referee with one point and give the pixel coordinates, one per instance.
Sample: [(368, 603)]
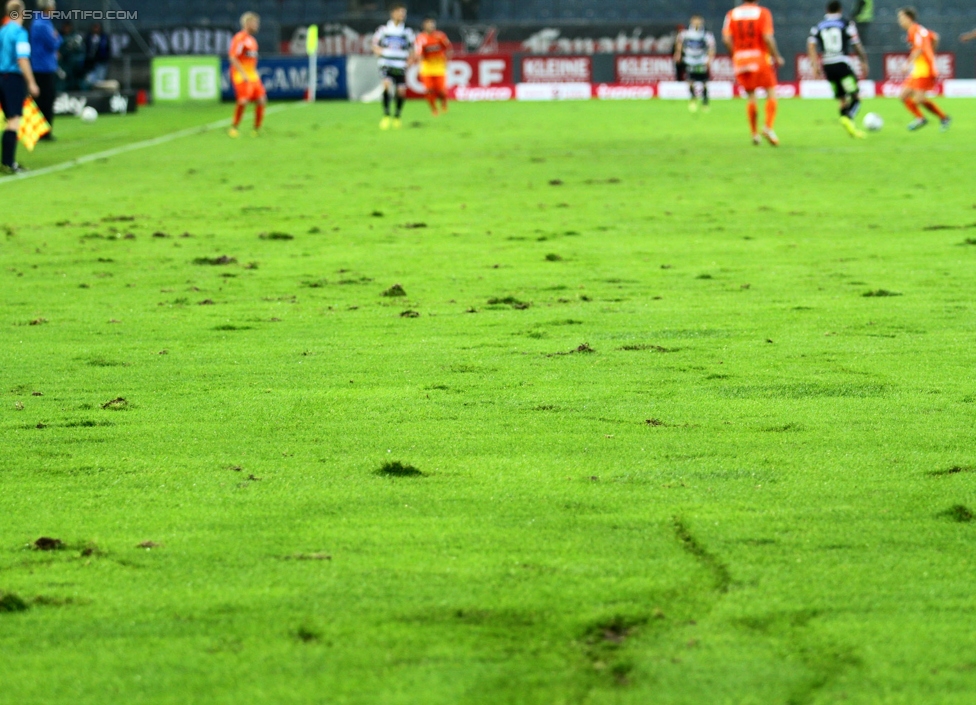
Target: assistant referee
[(16, 80)]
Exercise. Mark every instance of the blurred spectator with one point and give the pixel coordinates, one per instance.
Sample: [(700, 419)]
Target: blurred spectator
[(97, 55), (863, 16), (45, 42), (72, 58)]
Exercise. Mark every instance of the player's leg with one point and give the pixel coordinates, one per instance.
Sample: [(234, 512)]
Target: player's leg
[(772, 107), (430, 84), (847, 90), (242, 91), (259, 107), (14, 91), (704, 83), (910, 98), (387, 91), (752, 112), (401, 97), (692, 95), (926, 102), (442, 92)]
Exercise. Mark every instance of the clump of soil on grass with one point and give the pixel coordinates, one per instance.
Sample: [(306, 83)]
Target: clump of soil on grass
[(555, 182), (655, 348), (553, 257), (148, 545), (9, 602), (46, 543), (959, 513), (409, 314), (954, 470), (276, 236), (583, 348), (38, 322), (160, 234), (395, 290), (398, 469), (215, 261), (414, 226), (206, 302), (116, 404), (880, 293), (307, 635), (509, 301), (655, 422), (376, 214)]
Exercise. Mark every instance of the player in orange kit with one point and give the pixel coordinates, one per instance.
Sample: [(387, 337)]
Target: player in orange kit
[(924, 76), (434, 50), (748, 33), (244, 73)]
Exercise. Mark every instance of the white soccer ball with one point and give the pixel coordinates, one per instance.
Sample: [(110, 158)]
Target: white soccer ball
[(89, 114), (873, 122)]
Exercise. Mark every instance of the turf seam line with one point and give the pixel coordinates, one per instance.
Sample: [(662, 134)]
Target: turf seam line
[(144, 144)]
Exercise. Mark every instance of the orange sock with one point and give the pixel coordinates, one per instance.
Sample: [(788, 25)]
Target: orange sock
[(913, 107), (258, 116), (934, 109), (771, 106), (752, 110), (238, 114)]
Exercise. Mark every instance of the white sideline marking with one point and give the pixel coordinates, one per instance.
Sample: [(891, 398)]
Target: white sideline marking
[(163, 139)]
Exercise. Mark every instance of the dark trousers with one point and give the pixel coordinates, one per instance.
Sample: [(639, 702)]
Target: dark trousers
[(48, 83)]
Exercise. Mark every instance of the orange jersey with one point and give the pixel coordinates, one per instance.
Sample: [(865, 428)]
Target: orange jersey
[(920, 38), (746, 26), (432, 49), (244, 48)]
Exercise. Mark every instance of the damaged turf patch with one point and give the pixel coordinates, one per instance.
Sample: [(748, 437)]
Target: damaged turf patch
[(959, 513), (395, 290), (508, 301), (878, 293), (215, 261), (398, 469)]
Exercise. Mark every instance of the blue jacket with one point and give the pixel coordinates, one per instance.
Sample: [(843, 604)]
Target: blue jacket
[(45, 42), (14, 44)]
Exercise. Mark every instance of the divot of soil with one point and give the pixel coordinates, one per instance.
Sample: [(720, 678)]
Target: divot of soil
[(47, 543), (395, 290), (880, 293), (215, 261), (9, 602), (398, 469), (409, 314), (276, 236), (116, 404), (149, 545)]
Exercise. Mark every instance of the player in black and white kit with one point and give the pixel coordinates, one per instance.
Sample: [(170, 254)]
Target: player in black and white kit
[(695, 49), (393, 43), (831, 44)]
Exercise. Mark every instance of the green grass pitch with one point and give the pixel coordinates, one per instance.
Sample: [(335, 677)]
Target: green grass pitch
[(668, 449)]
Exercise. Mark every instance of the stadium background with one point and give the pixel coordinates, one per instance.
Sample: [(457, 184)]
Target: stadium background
[(525, 17)]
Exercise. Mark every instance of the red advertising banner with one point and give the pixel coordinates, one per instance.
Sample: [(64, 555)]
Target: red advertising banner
[(557, 69), (645, 68), (642, 69), (895, 69), (470, 72), (804, 70)]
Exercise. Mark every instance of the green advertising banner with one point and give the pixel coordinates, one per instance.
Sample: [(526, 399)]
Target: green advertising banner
[(186, 78)]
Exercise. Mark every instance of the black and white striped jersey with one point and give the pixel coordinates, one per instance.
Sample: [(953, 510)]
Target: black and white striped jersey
[(696, 45), (396, 42), (835, 38)]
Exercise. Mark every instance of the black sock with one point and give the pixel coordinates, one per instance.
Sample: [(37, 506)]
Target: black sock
[(399, 104), (855, 107), (9, 147), (386, 103), (704, 94)]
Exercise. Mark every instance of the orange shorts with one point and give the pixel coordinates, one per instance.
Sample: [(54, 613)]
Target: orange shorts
[(753, 80), (435, 84), (922, 84), (249, 92)]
